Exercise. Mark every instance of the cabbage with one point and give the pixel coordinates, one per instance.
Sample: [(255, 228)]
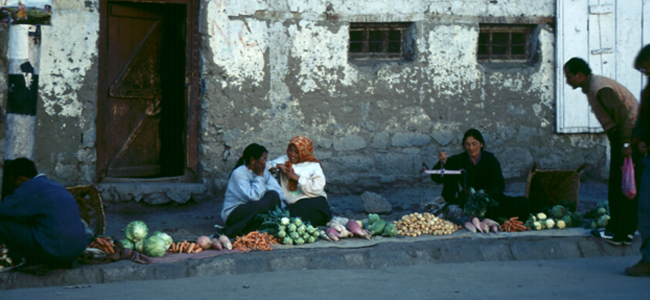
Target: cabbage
[(126, 243), (372, 218), (139, 245), (168, 239), (136, 231), (558, 211), (155, 246)]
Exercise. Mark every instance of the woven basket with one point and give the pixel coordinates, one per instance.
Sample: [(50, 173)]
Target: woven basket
[(546, 188), (91, 206)]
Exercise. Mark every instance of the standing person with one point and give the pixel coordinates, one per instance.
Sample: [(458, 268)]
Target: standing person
[(251, 190), (40, 220), (303, 182), (482, 171), (616, 109), (640, 141)]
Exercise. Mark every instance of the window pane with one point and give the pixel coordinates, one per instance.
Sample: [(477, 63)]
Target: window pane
[(518, 38), (394, 47), (394, 35), (375, 47), (499, 50), (376, 35), (500, 38), (483, 50), (356, 47), (518, 50), (484, 38), (356, 35)]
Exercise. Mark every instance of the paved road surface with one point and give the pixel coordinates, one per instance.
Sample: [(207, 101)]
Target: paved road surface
[(581, 278)]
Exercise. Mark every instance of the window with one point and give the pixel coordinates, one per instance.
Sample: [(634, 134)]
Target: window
[(505, 42), (380, 41)]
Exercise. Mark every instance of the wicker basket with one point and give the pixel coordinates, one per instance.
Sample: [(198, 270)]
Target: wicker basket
[(545, 188), (91, 206)]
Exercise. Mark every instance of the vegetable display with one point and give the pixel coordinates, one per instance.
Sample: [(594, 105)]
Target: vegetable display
[(558, 217), (417, 224), (155, 246), (513, 225), (255, 241), (136, 231), (185, 247), (477, 203), (377, 226), (103, 243), (600, 215), (136, 239)]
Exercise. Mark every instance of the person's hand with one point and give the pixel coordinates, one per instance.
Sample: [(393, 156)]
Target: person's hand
[(442, 156), (643, 148), (288, 171)]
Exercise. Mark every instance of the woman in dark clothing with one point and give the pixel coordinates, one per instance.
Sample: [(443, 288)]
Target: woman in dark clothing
[(482, 171)]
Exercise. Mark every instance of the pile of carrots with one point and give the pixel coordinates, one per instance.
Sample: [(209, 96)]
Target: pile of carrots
[(255, 241), (513, 225), (103, 243), (185, 247)]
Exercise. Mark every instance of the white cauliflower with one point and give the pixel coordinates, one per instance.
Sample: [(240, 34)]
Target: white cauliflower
[(537, 225), (541, 216), (549, 223), (560, 224)]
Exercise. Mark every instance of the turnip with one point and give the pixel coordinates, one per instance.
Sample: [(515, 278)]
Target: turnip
[(495, 228), (484, 228), (216, 244), (477, 224), (225, 242), (332, 234), (204, 242), (356, 229), (469, 226), (490, 222)]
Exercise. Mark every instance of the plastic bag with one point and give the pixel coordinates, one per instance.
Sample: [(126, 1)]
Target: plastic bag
[(629, 185)]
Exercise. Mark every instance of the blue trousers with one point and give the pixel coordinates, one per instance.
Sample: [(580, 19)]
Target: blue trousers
[(644, 209)]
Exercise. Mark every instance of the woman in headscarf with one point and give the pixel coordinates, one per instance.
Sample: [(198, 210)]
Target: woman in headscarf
[(303, 182), (482, 171), (251, 190)]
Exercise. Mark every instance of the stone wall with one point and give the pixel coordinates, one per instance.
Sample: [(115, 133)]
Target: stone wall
[(273, 69)]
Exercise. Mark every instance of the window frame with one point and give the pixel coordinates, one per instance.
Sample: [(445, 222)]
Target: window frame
[(386, 28), (490, 57)]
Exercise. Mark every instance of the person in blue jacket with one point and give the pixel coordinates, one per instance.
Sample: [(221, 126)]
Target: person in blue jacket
[(251, 190), (40, 220)]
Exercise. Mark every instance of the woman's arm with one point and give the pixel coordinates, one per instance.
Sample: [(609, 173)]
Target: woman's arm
[(270, 164), (250, 189), (497, 183), (312, 180)]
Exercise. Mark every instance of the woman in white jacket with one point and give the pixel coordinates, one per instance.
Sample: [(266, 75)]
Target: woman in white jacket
[(303, 182)]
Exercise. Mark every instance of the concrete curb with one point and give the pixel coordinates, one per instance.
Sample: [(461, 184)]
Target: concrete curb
[(374, 257)]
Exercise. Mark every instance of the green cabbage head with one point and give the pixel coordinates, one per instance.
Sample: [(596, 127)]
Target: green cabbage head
[(136, 231), (168, 239), (154, 246), (127, 243)]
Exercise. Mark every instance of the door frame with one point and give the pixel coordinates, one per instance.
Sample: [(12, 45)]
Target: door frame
[(192, 78)]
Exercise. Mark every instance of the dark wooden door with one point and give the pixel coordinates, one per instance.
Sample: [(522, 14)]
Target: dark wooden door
[(142, 90)]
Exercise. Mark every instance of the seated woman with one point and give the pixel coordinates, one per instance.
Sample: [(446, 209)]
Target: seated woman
[(251, 190), (482, 172), (303, 182)]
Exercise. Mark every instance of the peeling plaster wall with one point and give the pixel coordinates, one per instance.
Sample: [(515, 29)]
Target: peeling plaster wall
[(273, 69)]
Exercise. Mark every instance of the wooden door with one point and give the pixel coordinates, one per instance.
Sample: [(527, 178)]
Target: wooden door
[(143, 106)]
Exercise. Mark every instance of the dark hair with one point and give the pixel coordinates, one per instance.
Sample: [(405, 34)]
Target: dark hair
[(643, 56), (577, 65), (20, 167), (475, 134), (251, 151)]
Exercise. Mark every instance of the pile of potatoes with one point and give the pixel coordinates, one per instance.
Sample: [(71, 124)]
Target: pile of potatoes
[(417, 224)]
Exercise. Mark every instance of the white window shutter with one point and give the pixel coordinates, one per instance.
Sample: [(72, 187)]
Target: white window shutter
[(608, 35)]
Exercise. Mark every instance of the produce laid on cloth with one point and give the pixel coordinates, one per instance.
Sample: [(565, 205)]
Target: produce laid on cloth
[(291, 231), (513, 225), (5, 260), (484, 226), (255, 241), (417, 224), (377, 226), (339, 228), (103, 243), (136, 239), (185, 247), (559, 217)]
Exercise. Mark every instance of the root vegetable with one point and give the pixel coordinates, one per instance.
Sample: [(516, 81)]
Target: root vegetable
[(204, 242), (477, 224), (494, 228), (469, 226), (225, 242), (490, 222), (216, 244), (484, 228), (356, 229), (332, 234)]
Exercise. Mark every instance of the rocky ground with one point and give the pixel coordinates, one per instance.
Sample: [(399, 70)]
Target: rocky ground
[(193, 219)]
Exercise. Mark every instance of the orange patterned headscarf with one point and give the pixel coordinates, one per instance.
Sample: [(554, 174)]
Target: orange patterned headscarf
[(306, 149)]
